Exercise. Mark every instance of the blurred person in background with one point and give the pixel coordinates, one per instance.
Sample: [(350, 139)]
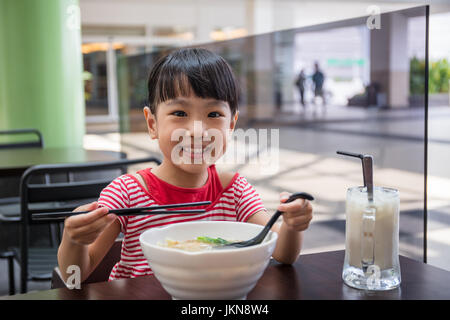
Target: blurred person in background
[(318, 79), (300, 83)]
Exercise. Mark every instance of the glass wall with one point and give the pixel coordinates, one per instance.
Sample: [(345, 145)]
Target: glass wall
[(438, 235), (358, 88), (95, 83)]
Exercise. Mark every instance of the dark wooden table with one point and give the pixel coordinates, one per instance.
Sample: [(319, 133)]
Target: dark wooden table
[(313, 276), (16, 161)]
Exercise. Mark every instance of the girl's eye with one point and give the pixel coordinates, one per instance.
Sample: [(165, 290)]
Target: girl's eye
[(179, 113), (214, 114)]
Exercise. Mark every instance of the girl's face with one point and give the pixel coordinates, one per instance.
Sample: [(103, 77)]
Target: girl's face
[(192, 132)]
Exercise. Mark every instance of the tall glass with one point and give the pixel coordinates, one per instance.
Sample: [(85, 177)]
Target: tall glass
[(371, 239)]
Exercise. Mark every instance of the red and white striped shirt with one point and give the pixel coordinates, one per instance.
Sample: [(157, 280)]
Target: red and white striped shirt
[(236, 202)]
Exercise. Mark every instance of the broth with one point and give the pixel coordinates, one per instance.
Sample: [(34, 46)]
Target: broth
[(199, 244)]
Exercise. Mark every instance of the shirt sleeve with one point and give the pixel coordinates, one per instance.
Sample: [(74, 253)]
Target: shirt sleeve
[(115, 196), (249, 202)]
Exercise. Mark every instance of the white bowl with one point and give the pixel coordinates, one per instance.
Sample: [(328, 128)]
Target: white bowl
[(212, 274)]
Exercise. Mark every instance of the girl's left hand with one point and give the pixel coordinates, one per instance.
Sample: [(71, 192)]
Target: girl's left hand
[(297, 214)]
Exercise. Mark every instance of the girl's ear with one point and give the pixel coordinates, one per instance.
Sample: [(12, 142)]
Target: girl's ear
[(150, 118), (234, 120)]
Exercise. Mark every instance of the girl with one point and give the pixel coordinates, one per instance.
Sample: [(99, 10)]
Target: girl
[(192, 90)]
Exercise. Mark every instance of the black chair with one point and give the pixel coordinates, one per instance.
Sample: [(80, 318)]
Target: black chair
[(9, 188), (9, 255), (39, 143), (36, 262)]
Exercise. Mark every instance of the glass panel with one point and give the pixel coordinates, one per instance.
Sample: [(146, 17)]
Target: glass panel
[(360, 102), (438, 235), (95, 83)]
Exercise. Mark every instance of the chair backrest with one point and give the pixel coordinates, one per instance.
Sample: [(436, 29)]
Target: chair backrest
[(72, 193), (39, 143), (83, 181)]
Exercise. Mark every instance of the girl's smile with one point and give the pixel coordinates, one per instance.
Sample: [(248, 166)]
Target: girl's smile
[(194, 153)]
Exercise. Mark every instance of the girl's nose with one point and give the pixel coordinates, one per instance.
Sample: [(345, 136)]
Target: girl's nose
[(197, 130)]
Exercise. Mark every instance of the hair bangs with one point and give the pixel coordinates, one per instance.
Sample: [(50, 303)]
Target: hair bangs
[(171, 86), (192, 71)]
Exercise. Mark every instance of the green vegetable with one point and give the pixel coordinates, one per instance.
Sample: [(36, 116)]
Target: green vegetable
[(212, 240)]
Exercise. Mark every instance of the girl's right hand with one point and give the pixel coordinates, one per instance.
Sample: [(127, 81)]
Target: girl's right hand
[(83, 229)]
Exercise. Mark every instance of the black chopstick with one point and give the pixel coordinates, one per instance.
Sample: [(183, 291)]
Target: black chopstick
[(55, 215), (133, 211)]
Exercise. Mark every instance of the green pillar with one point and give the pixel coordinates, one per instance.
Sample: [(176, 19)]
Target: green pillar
[(41, 84)]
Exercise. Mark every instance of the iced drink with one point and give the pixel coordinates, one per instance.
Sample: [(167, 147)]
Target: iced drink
[(372, 237)]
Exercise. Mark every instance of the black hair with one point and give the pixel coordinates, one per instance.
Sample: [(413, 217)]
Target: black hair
[(182, 71)]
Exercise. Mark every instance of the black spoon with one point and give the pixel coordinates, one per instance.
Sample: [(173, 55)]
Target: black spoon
[(260, 237)]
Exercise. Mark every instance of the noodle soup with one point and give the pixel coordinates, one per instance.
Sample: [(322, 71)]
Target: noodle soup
[(210, 273), (198, 244)]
